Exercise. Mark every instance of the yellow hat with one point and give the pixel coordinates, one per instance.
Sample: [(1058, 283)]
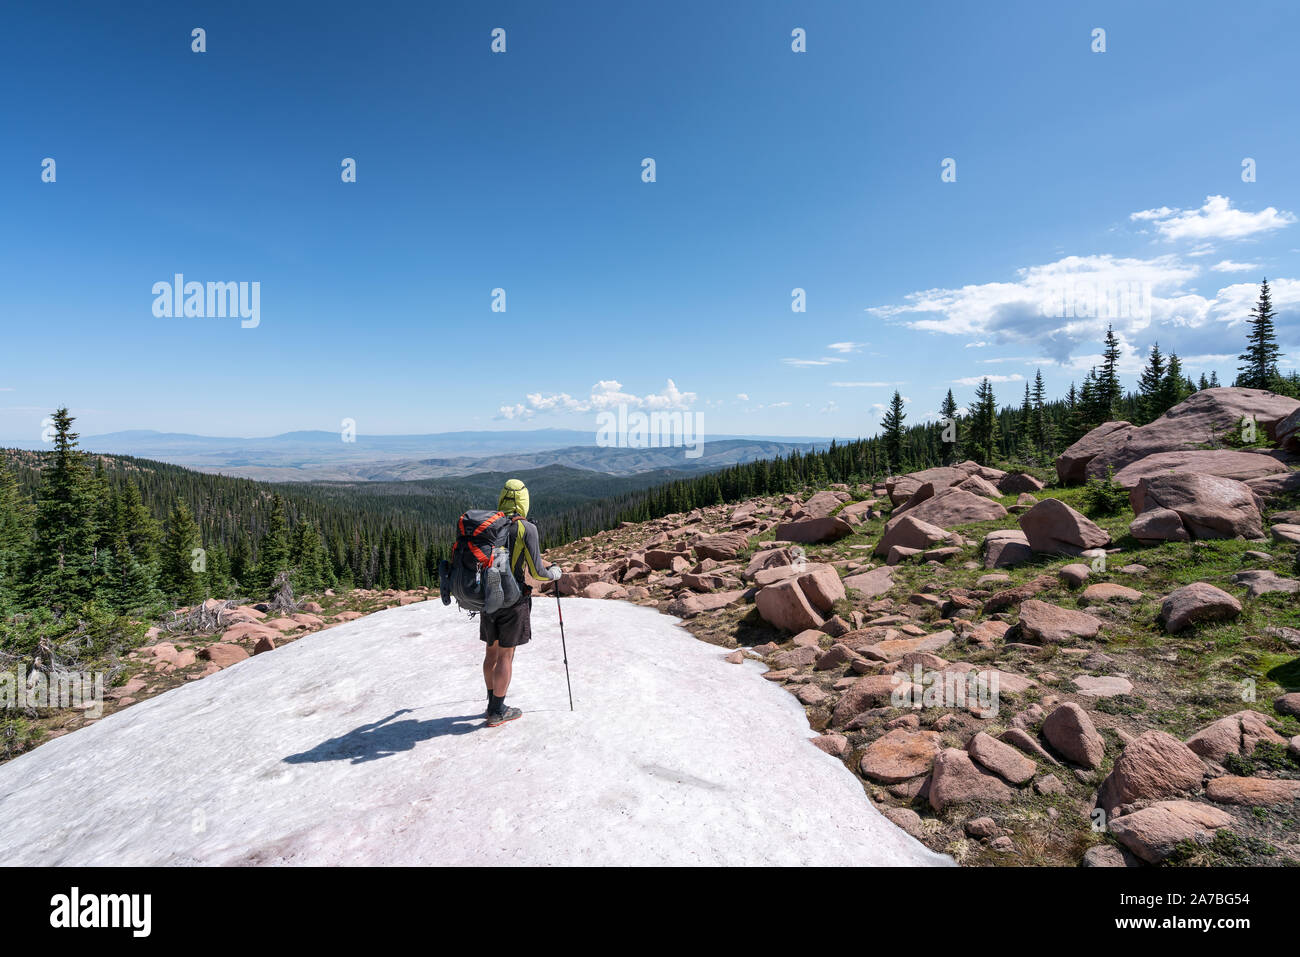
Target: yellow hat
[(514, 499)]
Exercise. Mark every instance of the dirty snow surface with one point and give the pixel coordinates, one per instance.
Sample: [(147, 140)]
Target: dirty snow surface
[(365, 744)]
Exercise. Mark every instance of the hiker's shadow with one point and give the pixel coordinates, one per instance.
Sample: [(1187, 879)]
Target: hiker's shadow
[(383, 738)]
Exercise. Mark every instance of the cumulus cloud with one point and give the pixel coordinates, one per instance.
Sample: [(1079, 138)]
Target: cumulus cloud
[(606, 394), (1228, 265), (847, 346), (1056, 308), (1214, 220)]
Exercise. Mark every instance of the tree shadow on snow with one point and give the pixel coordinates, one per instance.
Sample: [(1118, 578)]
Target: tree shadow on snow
[(385, 737)]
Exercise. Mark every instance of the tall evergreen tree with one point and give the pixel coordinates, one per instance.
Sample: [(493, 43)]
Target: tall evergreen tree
[(177, 575), (1259, 362), (984, 431), (1109, 390), (60, 571), (891, 424), (1151, 387), (948, 428), (273, 550), (1175, 387)]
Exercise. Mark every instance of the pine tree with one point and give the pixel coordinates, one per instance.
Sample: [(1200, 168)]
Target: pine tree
[(948, 428), (273, 549), (1175, 387), (177, 576), (1042, 431), (1151, 387), (984, 424), (241, 564), (60, 569), (1109, 390), (1259, 361), (305, 556), (892, 424)]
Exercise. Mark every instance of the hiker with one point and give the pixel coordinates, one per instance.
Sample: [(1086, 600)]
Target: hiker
[(507, 629)]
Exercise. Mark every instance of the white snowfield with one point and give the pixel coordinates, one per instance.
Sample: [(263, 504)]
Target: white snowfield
[(365, 744)]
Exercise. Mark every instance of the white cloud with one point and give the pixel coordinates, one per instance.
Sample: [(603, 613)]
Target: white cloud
[(606, 394), (823, 361), (847, 346), (864, 385), (1215, 220), (1228, 265), (1025, 312), (742, 396), (977, 379)]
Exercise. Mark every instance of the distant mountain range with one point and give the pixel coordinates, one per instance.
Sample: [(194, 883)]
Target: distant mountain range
[(317, 456)]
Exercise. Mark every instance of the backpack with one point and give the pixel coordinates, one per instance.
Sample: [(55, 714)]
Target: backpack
[(478, 574)]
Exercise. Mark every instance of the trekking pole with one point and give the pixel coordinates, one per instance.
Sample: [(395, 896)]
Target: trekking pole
[(559, 611)]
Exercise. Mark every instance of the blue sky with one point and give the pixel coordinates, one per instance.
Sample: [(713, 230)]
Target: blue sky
[(522, 171)]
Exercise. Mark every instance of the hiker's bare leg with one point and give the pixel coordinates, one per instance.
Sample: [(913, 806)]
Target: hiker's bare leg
[(505, 660), (490, 664)]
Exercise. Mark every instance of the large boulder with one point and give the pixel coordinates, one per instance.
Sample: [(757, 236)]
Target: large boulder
[(870, 691), (822, 586), (1018, 483), (1005, 547), (1071, 732), (902, 487), (722, 547), (952, 506), (900, 755), (1252, 791), (1224, 463), (823, 504), (956, 779), (785, 605), (768, 558), (908, 531), (1287, 432), (1001, 758), (979, 486), (1159, 525), (1053, 527), (1052, 625), (811, 530), (1275, 488), (1236, 734), (1153, 833), (1209, 506), (1199, 421), (1152, 765), (871, 584), (1197, 603), (1072, 464)]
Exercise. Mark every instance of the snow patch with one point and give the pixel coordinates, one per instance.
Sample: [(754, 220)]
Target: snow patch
[(365, 744)]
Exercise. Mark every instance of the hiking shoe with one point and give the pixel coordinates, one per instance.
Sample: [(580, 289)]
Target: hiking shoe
[(501, 717)]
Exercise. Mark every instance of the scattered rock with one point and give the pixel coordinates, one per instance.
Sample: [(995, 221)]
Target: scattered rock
[(1153, 765), (1071, 732), (1154, 833), (1197, 603)]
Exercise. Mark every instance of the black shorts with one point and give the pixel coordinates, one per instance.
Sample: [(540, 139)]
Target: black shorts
[(509, 627)]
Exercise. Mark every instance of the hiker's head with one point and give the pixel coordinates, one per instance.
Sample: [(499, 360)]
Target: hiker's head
[(514, 499)]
